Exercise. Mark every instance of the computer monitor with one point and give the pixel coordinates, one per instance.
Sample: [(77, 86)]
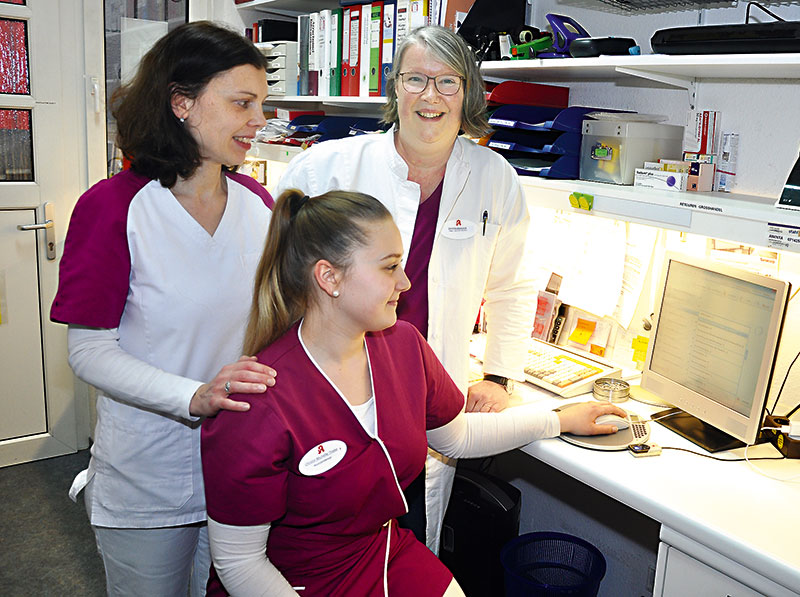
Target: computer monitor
[(712, 350)]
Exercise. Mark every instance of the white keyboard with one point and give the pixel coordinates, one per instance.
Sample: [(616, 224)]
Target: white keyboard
[(562, 371)]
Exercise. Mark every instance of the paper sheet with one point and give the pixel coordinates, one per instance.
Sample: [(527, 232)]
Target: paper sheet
[(569, 244), (639, 249)]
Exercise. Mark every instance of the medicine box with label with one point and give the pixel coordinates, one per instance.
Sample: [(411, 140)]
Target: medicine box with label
[(612, 150), (659, 179)]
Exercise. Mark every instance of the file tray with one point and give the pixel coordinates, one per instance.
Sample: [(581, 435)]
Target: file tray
[(528, 94), (547, 142), (534, 118), (528, 118), (565, 167), (336, 127), (363, 126), (305, 123)]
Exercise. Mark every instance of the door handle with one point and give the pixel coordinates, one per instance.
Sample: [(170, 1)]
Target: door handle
[(49, 230), (46, 225)]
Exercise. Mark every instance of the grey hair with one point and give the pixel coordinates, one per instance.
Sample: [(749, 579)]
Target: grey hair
[(450, 49)]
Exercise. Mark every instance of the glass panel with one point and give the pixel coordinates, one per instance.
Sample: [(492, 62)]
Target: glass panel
[(16, 146), (13, 57), (132, 27)]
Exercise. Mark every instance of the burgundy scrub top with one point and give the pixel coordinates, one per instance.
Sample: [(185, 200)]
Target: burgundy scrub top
[(300, 459)]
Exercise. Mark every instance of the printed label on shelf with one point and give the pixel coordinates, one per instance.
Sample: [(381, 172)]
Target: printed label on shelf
[(783, 236)]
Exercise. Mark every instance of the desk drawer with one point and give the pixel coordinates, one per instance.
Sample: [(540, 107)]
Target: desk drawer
[(277, 62), (684, 575)]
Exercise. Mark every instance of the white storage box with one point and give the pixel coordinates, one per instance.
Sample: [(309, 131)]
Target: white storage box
[(612, 150)]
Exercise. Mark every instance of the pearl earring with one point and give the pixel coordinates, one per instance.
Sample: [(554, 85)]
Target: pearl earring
[(335, 294), (182, 119)]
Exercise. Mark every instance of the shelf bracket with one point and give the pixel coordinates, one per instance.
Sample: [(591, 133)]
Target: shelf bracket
[(687, 83)]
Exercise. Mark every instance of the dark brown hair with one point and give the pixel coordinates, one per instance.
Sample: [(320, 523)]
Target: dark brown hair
[(182, 62)]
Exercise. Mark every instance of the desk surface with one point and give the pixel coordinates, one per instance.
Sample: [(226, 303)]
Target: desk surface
[(726, 506)]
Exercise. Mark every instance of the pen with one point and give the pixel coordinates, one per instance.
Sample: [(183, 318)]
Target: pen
[(485, 217)]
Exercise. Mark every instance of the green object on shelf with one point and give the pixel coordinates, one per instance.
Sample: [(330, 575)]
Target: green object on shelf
[(581, 201), (528, 50)]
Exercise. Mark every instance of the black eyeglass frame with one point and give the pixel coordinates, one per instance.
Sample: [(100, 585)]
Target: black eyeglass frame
[(461, 79)]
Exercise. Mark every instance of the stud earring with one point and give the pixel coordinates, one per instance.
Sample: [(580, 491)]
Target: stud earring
[(182, 119), (335, 294)]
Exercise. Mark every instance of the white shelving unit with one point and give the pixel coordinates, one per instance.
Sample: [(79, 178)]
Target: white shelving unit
[(734, 217), (682, 69), (296, 6)]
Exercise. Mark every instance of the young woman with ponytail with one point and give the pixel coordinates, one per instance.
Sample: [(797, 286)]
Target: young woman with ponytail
[(304, 489)]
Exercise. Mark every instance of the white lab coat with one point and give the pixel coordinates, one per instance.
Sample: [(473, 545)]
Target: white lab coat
[(466, 265)]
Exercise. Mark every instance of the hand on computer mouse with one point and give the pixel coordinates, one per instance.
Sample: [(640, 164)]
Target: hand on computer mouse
[(619, 422), (581, 419)]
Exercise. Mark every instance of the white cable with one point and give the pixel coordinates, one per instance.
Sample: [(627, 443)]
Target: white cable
[(765, 474)]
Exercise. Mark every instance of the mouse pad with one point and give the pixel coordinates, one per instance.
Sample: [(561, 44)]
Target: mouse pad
[(638, 433)]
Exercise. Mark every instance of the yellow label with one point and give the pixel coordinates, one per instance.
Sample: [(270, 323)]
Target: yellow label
[(639, 355), (598, 350), (583, 331), (640, 343)]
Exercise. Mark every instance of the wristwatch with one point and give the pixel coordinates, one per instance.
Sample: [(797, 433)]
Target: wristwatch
[(508, 384)]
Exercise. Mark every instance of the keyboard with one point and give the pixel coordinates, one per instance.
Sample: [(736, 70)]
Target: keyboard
[(562, 371)]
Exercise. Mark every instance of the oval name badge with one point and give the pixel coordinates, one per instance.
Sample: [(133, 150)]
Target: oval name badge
[(322, 457), (459, 229)]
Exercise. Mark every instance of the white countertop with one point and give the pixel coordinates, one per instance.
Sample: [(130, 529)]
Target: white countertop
[(726, 506)]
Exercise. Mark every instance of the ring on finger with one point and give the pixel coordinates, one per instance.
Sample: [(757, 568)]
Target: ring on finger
[(228, 387)]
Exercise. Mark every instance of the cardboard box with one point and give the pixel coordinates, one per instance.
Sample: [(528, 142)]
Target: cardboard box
[(658, 179), (725, 178), (701, 177), (703, 132)]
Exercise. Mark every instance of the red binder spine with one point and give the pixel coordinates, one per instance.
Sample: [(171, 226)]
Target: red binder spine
[(355, 50)]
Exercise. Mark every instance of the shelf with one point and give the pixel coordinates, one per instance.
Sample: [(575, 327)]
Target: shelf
[(367, 103), (729, 216), (610, 68), (273, 152), (296, 6)]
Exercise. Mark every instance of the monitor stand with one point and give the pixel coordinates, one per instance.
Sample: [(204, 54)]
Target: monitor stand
[(696, 431)]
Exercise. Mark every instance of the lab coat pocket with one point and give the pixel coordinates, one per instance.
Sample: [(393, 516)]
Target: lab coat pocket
[(467, 260), (148, 467)]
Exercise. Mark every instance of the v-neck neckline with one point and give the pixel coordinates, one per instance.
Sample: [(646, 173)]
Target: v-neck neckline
[(196, 227), (336, 388)]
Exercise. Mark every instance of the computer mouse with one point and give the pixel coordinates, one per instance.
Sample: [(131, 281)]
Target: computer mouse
[(619, 422)]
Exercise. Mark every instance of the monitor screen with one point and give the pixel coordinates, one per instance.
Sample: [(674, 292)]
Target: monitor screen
[(712, 349)]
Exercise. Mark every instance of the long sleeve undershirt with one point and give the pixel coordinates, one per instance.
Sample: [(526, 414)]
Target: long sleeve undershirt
[(97, 358), (239, 552)]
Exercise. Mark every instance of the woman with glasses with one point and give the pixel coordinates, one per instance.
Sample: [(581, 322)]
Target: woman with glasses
[(463, 222)]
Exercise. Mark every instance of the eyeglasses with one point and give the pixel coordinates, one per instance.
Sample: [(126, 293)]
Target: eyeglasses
[(417, 82)]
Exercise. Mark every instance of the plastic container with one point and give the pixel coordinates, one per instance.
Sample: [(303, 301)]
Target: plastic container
[(612, 150), (549, 563)]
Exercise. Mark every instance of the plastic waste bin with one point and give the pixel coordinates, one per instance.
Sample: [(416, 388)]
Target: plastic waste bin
[(549, 563)]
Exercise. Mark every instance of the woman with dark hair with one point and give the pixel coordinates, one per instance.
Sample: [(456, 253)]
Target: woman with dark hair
[(464, 223), (305, 488), (155, 284)]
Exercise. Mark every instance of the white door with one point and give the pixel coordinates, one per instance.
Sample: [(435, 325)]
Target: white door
[(43, 159)]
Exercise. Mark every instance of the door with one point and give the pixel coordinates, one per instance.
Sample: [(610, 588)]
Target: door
[(44, 117)]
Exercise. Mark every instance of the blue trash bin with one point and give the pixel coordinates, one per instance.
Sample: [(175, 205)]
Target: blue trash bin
[(549, 563)]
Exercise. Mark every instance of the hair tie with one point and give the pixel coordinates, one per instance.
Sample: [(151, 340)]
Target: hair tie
[(297, 206)]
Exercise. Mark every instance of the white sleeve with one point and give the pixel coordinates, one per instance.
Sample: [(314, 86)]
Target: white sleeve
[(239, 556), (475, 435), (97, 358)]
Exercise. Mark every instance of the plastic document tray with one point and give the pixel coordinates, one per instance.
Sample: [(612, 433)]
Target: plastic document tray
[(529, 94), (552, 142)]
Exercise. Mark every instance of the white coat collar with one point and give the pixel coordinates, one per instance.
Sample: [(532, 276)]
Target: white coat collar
[(455, 176)]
